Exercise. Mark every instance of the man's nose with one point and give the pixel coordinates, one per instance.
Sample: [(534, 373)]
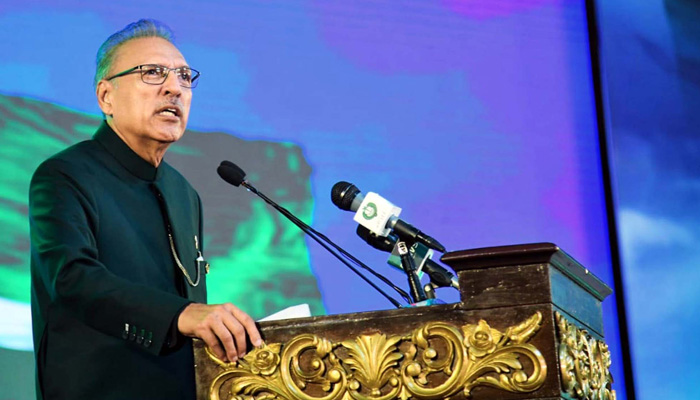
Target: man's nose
[(172, 85)]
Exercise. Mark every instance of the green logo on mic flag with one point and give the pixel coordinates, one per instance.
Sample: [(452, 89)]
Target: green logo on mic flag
[(369, 211)]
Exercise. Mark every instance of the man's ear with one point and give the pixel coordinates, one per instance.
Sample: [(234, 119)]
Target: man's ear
[(104, 92)]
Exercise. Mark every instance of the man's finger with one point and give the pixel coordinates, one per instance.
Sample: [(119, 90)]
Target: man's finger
[(214, 345), (221, 330), (248, 324), (238, 333)]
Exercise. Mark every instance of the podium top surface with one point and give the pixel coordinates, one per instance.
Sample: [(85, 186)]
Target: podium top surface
[(527, 254)]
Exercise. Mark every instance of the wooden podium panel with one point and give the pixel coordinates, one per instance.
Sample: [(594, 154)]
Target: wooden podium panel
[(528, 326)]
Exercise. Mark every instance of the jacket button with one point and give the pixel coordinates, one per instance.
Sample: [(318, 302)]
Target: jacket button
[(139, 338), (149, 339), (132, 335)]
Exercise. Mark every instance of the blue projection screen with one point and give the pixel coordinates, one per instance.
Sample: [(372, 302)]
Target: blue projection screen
[(477, 117)]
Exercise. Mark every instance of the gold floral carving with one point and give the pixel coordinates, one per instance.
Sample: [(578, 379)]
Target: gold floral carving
[(435, 361), (584, 363)]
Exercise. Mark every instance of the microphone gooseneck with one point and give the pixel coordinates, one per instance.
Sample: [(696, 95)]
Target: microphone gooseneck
[(234, 175)]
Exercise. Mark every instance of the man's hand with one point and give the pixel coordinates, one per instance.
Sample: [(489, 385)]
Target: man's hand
[(222, 327)]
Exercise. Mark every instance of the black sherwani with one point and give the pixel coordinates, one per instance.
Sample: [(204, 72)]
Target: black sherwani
[(105, 285)]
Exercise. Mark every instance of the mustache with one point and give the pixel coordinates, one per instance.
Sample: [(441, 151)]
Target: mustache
[(171, 102)]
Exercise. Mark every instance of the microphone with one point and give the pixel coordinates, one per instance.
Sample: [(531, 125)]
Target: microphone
[(378, 215), (439, 275), (234, 175), (231, 173)]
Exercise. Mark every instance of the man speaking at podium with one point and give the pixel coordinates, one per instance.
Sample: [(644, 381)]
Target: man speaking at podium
[(117, 258)]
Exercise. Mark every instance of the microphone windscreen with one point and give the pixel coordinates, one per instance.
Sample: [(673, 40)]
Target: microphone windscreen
[(231, 173), (343, 193)]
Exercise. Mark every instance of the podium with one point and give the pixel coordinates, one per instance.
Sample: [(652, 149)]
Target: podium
[(528, 326)]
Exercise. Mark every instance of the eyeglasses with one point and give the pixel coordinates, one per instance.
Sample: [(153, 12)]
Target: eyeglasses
[(154, 74)]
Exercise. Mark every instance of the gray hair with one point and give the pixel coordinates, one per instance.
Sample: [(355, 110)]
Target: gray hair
[(139, 29)]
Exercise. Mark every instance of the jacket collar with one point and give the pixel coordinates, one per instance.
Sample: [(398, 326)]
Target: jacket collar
[(131, 161)]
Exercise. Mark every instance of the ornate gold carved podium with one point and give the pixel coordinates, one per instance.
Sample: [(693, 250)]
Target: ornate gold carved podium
[(529, 326)]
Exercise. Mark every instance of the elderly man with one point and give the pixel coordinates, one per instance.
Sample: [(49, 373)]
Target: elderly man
[(118, 274)]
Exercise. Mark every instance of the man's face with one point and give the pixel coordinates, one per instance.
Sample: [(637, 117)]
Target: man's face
[(137, 108)]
